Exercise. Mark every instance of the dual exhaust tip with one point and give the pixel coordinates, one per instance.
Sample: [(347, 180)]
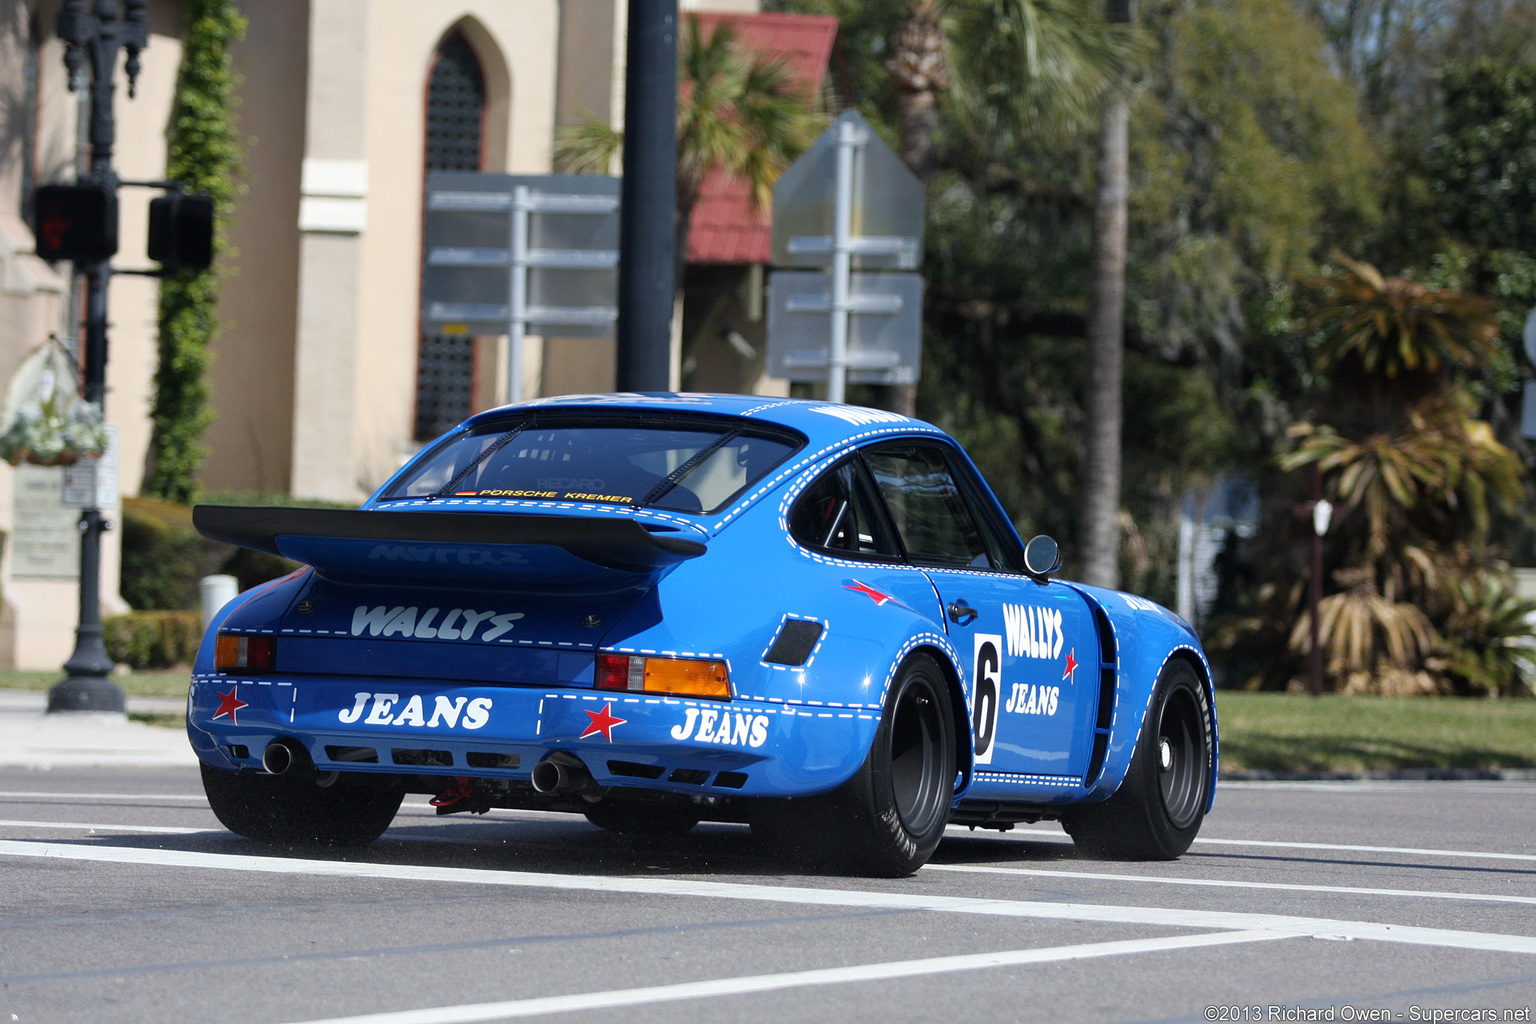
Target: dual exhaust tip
[(558, 774), (561, 773), (285, 755)]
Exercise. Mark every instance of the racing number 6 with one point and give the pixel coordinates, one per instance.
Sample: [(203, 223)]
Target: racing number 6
[(984, 715)]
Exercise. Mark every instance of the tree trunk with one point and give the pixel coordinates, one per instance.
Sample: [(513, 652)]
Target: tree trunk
[(1102, 411), (919, 68)]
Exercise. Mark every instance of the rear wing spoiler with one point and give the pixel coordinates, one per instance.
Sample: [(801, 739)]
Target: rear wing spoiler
[(348, 541)]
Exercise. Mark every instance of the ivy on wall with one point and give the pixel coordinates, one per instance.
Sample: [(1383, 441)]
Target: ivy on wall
[(203, 153)]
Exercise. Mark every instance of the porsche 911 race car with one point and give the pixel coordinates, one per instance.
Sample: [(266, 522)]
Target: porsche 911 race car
[(660, 609)]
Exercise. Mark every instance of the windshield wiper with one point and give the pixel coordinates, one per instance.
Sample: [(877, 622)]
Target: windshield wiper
[(490, 450), (670, 480)]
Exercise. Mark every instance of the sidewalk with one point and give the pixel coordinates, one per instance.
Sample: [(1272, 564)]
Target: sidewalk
[(32, 738)]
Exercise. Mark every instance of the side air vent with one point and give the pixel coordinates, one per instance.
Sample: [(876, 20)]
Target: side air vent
[(1107, 679), (794, 643), (731, 780)]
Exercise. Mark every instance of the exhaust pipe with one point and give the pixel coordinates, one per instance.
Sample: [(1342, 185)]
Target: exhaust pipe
[(561, 773), (285, 755)]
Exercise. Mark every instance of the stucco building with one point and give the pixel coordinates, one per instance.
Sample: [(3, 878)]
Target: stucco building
[(322, 383)]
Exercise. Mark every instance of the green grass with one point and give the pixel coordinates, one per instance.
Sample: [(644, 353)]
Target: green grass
[(170, 683), (1285, 732)]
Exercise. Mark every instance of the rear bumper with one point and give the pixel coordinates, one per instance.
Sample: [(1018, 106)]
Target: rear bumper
[(360, 724)]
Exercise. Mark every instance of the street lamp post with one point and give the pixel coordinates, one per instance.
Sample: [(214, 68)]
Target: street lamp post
[(648, 230), (92, 39)]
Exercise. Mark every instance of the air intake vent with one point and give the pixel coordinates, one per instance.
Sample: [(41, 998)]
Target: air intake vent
[(361, 755), (482, 759), (425, 758), (794, 643), (636, 771)]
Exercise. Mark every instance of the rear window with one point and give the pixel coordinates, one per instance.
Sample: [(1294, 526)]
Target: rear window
[(684, 467)]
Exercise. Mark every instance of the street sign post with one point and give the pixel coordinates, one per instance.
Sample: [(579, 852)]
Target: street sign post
[(883, 343), (847, 203), (518, 255)]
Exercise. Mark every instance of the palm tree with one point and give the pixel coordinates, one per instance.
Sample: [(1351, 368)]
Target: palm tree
[(1102, 402), (1029, 70), (919, 68), (1412, 474), (1395, 329), (737, 111), (1491, 649)]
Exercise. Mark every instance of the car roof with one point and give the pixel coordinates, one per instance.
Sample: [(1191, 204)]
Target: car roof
[(824, 424)]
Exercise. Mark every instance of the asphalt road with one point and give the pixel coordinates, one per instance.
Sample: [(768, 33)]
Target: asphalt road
[(122, 900)]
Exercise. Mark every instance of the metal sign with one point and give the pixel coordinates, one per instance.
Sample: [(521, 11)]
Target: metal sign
[(520, 254), (884, 333), (884, 203), (92, 482), (847, 202)]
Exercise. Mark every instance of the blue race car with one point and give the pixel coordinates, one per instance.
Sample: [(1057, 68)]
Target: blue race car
[(660, 609)]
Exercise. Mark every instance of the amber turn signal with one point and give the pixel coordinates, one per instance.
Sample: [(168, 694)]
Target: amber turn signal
[(679, 677)]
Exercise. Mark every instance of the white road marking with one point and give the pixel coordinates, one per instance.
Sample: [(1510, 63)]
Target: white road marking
[(1159, 917), (1409, 850), (14, 794), (1345, 890), (1055, 834), (793, 979), (19, 823)]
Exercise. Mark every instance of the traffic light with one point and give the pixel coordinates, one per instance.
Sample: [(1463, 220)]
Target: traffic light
[(76, 222), (181, 231)]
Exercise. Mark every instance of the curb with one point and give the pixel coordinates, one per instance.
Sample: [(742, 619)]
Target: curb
[(1389, 775)]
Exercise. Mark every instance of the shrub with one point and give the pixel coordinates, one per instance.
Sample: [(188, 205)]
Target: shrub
[(163, 556), (153, 639)]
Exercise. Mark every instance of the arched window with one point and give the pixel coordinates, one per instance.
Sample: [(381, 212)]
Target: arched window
[(445, 366)]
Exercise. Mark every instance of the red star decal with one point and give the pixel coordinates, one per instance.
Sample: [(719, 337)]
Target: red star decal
[(602, 722), (868, 591), (1071, 667), (229, 704)]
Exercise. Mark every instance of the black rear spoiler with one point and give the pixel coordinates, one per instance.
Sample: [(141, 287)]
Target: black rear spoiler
[(302, 533)]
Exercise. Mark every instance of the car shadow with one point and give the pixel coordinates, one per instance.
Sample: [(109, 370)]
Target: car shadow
[(562, 844)]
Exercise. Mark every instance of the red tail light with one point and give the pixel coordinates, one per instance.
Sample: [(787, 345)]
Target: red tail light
[(244, 655)]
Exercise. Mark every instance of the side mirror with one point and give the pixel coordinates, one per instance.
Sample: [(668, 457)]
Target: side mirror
[(1042, 556)]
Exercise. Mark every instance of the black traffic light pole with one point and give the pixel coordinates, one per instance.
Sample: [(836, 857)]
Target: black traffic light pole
[(93, 39)]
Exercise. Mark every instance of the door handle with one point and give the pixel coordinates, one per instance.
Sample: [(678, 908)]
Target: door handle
[(961, 614)]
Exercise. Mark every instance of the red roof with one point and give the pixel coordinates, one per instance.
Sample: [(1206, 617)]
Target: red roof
[(724, 227)]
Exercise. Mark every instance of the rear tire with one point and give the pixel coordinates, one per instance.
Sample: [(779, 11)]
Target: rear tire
[(297, 811), (887, 820), (1157, 811)]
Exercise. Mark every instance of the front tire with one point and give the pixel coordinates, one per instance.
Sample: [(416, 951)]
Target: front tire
[(297, 811), (1157, 811), (887, 820)]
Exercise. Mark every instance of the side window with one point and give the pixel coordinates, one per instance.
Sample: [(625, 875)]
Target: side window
[(1001, 546), (926, 505), (836, 514)]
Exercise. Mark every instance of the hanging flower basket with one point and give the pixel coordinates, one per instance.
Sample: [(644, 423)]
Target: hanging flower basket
[(46, 422)]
